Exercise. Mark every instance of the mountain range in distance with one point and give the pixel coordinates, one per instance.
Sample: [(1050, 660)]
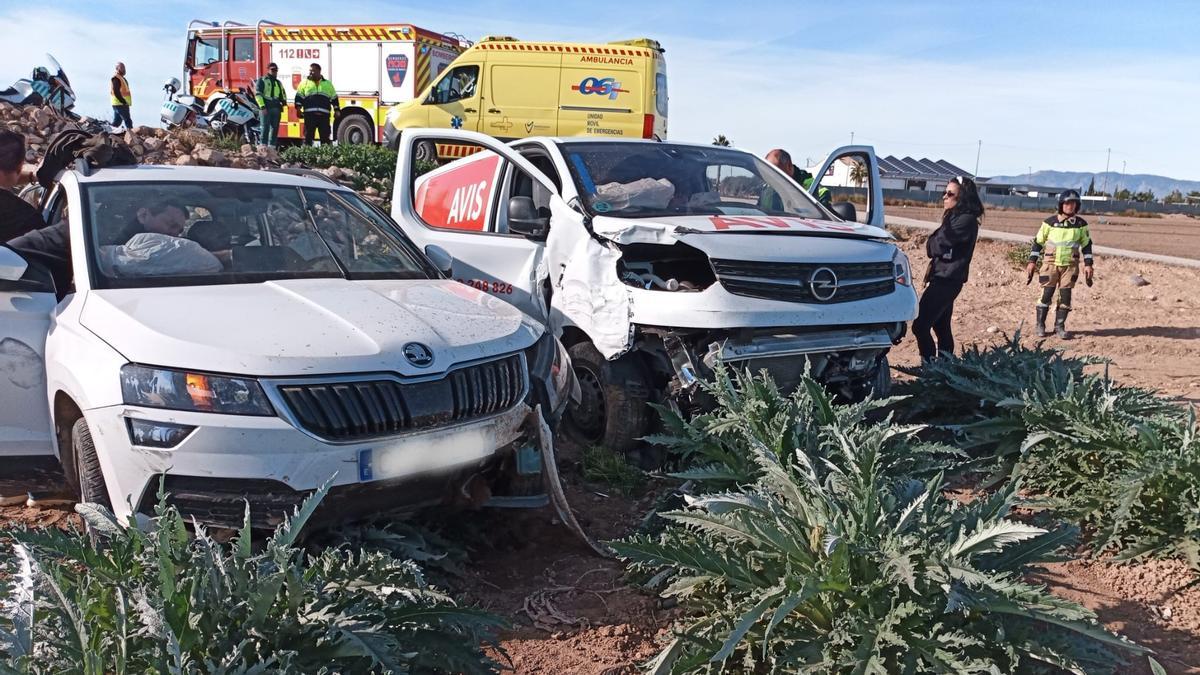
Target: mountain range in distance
[(1110, 182)]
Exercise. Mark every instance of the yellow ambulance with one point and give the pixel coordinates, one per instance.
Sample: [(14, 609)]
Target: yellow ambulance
[(510, 89)]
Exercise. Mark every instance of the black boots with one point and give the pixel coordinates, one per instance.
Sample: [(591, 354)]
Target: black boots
[(1042, 311), (1060, 323)]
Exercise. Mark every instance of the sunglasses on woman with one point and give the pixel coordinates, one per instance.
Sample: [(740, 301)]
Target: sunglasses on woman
[(949, 194)]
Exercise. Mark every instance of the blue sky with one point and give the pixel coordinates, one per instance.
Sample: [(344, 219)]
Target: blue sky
[(1044, 85)]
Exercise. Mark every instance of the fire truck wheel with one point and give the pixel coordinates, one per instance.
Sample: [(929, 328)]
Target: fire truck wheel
[(355, 129)]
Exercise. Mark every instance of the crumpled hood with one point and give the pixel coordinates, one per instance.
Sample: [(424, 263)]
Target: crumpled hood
[(308, 326), (666, 230)]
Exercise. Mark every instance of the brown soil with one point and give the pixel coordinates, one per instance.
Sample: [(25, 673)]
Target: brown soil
[(573, 612), (1173, 234)]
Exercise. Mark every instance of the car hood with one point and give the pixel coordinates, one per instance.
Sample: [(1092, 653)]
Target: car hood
[(307, 327), (666, 230)]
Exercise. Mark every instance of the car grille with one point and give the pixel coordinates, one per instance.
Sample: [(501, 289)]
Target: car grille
[(361, 409), (790, 281)]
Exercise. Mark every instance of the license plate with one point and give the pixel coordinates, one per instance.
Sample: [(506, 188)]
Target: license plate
[(423, 454)]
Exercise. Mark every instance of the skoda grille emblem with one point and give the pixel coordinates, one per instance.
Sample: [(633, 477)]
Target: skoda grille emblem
[(823, 283), (418, 354)]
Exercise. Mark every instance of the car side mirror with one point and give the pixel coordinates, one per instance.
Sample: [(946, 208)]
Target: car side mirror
[(440, 258), (12, 265), (523, 218), (845, 211)]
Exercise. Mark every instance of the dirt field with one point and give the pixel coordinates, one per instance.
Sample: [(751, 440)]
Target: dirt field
[(572, 612), (1173, 234)]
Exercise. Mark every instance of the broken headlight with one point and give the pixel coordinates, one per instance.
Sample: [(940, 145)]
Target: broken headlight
[(665, 267), (550, 372), (199, 392)]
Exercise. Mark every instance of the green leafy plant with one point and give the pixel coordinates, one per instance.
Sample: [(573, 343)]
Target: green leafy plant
[(750, 408), (166, 601), (370, 161), (839, 561), (601, 465), (1018, 256), (226, 142)]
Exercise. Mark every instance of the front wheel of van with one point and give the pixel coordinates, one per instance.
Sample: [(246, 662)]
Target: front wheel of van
[(426, 152), (612, 410), (881, 380), (91, 486)]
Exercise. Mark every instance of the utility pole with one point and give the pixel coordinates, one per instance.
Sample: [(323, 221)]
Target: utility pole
[(978, 150), (1122, 179), (1104, 184), (1029, 176), (851, 138)]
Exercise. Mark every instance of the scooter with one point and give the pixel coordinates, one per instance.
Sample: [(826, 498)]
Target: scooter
[(180, 111)]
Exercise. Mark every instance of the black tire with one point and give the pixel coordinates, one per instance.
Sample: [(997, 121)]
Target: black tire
[(881, 379), (612, 412), (90, 479), (426, 152), (355, 129)]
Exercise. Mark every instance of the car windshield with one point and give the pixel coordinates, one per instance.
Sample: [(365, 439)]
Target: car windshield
[(639, 180), (184, 234)]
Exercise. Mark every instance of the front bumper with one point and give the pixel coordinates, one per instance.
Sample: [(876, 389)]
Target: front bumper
[(230, 459)]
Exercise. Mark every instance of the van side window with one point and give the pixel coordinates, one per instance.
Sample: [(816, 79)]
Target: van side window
[(660, 93), (458, 84)]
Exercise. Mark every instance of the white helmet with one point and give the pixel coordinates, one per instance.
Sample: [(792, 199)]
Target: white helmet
[(173, 85)]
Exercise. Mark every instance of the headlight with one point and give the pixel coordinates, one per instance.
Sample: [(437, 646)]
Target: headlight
[(200, 392), (550, 371), (903, 274)]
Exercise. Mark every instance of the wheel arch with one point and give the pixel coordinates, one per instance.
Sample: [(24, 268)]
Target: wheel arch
[(64, 413)]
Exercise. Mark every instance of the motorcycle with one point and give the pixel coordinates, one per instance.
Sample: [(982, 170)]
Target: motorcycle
[(180, 111), (49, 86), (237, 115)]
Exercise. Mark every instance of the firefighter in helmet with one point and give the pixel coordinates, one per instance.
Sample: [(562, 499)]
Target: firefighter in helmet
[(1062, 242)]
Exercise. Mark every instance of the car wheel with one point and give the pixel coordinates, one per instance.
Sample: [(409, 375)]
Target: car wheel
[(355, 130), (89, 477), (426, 152), (612, 410)]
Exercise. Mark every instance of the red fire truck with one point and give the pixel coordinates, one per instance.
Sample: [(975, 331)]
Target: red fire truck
[(372, 66)]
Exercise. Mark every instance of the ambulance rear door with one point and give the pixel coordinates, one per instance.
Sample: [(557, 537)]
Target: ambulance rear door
[(521, 98), (601, 94)]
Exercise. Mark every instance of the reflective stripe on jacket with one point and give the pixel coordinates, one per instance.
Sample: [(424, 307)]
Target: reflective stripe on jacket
[(120, 86), (269, 90), (317, 96), (1067, 240)]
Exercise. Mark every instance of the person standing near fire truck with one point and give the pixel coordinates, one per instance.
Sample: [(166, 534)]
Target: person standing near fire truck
[(272, 99), (121, 98), (317, 102)]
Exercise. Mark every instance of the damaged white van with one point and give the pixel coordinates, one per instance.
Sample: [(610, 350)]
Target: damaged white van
[(654, 261), (246, 336)]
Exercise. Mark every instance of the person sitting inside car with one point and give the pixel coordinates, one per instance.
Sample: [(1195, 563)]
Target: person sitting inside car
[(159, 249)]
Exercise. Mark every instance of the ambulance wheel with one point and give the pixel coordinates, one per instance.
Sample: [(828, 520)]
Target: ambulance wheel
[(426, 152), (355, 129), (612, 410), (90, 479)]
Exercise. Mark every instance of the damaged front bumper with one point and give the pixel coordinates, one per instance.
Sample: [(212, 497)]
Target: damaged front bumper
[(229, 461)]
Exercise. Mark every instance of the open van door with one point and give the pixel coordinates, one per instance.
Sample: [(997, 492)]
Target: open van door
[(492, 211), (853, 167), (26, 302)]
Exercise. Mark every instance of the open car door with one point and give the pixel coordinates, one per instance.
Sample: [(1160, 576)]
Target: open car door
[(491, 210), (853, 167), (26, 302)]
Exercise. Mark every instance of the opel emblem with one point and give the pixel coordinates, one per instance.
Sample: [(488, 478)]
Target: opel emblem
[(823, 283), (418, 354)]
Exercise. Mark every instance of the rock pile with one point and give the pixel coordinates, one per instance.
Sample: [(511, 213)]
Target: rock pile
[(180, 147)]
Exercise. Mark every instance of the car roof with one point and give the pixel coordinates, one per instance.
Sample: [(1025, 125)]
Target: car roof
[(200, 174), (648, 141)]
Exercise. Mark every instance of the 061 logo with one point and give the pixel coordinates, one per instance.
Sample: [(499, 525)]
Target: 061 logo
[(603, 86)]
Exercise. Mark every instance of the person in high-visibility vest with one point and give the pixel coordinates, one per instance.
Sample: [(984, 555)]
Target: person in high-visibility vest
[(783, 161), (121, 98), (1065, 240), (317, 101), (271, 98)]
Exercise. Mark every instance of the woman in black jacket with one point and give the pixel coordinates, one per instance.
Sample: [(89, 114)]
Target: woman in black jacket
[(949, 248)]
